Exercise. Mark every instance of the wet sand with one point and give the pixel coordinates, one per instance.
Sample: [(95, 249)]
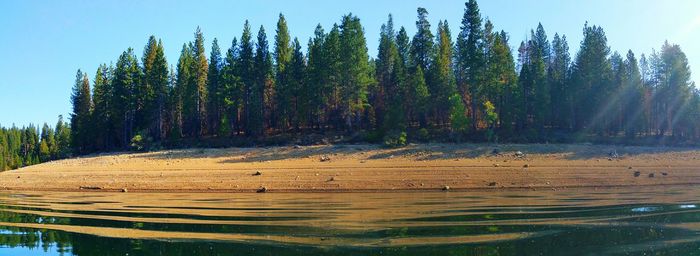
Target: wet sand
[(358, 168)]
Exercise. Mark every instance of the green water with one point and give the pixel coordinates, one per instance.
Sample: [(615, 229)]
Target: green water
[(639, 221)]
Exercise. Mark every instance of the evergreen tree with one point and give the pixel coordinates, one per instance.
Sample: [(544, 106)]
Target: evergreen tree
[(80, 118), (355, 71), (125, 79), (385, 65), (443, 81), (318, 89), (540, 109), (674, 89), (332, 76), (231, 92), (591, 80), (180, 101), (283, 57), (633, 97), (558, 76), (261, 83), (200, 70), (102, 96), (422, 46), (151, 114), (501, 77), (63, 139), (298, 89), (214, 96), (247, 75), (470, 62)]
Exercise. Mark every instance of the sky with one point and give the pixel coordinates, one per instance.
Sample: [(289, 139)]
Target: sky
[(43, 43)]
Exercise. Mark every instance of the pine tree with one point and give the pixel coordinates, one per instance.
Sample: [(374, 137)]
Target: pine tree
[(442, 85), (102, 95), (231, 92), (181, 103), (261, 82), (63, 139), (214, 97), (470, 62), (355, 71), (501, 77), (633, 97), (540, 109), (558, 77), (422, 46), (150, 114), (80, 118), (247, 74), (125, 79), (200, 70), (674, 89), (591, 80), (317, 78), (385, 65), (332, 76), (298, 89), (283, 57)]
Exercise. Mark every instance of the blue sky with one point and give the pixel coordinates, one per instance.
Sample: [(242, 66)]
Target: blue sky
[(44, 42)]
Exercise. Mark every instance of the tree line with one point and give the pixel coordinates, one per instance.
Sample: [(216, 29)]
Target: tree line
[(30, 145), (422, 87)]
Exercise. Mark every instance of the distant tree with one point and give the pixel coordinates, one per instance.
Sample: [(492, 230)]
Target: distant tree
[(262, 81), (541, 94), (200, 70), (422, 45), (102, 95), (232, 91), (591, 74), (470, 62), (283, 57), (355, 71), (151, 112), (317, 75), (385, 64), (63, 139), (80, 118), (633, 97), (501, 80), (442, 85), (559, 81), (214, 96), (331, 74), (300, 90), (126, 77), (247, 75)]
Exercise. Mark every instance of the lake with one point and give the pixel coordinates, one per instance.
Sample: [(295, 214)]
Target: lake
[(620, 221)]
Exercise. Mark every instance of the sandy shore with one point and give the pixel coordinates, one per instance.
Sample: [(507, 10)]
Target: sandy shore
[(350, 168)]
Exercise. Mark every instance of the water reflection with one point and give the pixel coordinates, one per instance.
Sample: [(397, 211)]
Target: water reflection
[(660, 221)]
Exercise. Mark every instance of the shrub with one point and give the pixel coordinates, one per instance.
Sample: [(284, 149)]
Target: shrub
[(395, 139), (141, 142)]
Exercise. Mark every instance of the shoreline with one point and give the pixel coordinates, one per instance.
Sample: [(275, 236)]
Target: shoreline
[(353, 191), (365, 169)]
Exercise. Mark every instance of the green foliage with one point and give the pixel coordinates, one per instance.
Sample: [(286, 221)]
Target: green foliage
[(491, 117), (142, 142), (354, 71), (458, 119), (427, 85), (395, 139), (20, 147)]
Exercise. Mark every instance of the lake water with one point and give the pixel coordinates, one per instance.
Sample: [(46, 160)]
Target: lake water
[(638, 221)]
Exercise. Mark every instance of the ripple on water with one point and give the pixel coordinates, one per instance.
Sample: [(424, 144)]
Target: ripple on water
[(616, 221)]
